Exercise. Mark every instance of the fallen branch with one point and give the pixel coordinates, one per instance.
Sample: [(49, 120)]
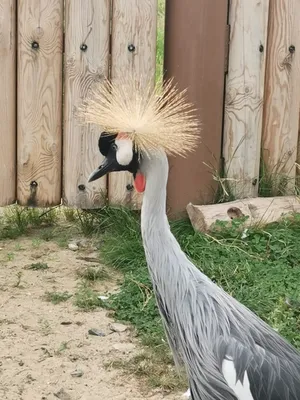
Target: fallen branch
[(259, 211)]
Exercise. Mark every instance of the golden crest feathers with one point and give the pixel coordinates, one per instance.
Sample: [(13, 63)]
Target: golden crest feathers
[(154, 118)]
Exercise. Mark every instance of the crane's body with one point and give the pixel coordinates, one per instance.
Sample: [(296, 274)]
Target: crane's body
[(227, 351)]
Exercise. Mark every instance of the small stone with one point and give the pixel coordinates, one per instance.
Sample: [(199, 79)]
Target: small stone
[(21, 363), (62, 395), (96, 332), (115, 327), (73, 247), (124, 347), (77, 373)]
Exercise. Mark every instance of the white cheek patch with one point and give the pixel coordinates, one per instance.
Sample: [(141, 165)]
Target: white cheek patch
[(124, 153)]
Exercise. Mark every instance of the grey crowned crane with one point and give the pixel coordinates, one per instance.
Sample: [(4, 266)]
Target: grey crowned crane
[(228, 352)]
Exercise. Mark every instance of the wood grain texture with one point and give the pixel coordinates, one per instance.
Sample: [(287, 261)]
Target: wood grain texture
[(133, 23), (8, 101), (87, 22), (39, 101), (282, 97), (244, 95), (40, 23)]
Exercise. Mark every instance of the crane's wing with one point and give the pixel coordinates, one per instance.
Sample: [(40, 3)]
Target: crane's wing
[(258, 374), (230, 353)]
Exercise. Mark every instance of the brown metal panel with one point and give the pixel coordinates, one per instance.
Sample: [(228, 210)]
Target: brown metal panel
[(195, 52)]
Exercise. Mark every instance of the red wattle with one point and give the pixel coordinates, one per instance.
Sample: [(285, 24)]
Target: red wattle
[(140, 182)]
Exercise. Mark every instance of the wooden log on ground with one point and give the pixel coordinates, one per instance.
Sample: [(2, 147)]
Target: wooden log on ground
[(8, 105), (259, 210)]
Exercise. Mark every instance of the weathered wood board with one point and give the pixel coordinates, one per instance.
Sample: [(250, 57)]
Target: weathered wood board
[(244, 95), (133, 24), (8, 101), (282, 93), (40, 47), (86, 62)]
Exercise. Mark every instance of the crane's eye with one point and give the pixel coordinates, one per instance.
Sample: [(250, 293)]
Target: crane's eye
[(114, 147)]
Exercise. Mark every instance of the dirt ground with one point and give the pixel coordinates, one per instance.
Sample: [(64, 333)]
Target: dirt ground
[(46, 351)]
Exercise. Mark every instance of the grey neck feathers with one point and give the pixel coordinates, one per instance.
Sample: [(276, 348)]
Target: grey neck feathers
[(162, 250), (156, 171)]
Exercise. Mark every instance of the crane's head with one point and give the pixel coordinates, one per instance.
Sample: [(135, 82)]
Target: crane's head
[(119, 155)]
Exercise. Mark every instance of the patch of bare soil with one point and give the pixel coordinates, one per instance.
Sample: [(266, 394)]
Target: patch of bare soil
[(46, 351)]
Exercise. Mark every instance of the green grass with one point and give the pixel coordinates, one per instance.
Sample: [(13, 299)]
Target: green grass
[(87, 299), (17, 221), (57, 297), (262, 271), (273, 181), (38, 266), (160, 41), (93, 274), (52, 224), (150, 365)]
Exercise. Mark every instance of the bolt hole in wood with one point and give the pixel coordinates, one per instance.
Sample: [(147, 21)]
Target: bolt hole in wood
[(81, 187), (33, 184), (234, 212), (131, 48), (35, 45), (31, 202), (292, 49), (83, 47)]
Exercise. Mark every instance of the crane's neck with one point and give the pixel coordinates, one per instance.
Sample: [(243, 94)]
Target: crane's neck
[(162, 250), (153, 216)]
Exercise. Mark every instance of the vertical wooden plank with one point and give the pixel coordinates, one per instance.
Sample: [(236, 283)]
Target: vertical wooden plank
[(133, 23), (87, 24), (40, 46), (244, 95), (282, 100), (8, 101), (298, 158), (195, 49)]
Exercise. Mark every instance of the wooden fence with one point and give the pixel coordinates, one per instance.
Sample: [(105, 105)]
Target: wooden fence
[(52, 51), (262, 93)]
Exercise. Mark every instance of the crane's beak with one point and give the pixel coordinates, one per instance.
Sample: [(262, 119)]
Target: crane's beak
[(106, 167)]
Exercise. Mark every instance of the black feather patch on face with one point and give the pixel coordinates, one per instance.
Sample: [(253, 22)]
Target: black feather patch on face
[(105, 141)]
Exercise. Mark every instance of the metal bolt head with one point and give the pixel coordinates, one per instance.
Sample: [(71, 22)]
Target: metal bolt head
[(129, 187), (131, 48), (261, 48), (292, 49), (33, 184), (81, 187), (35, 45), (83, 47)]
